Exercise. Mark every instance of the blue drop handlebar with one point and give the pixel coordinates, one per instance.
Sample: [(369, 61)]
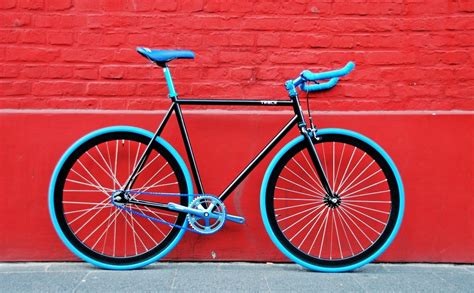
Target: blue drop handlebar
[(332, 75)]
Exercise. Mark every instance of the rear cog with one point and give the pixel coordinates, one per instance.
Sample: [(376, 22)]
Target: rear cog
[(214, 215)]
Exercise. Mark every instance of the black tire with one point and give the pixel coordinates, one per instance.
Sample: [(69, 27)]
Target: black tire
[(81, 207), (364, 219)]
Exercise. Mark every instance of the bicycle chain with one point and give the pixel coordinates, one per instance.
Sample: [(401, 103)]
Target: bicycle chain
[(155, 219)]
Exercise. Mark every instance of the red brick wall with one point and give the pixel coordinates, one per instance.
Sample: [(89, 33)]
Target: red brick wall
[(413, 55)]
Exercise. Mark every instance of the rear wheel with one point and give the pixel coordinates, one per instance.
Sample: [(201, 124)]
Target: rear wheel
[(81, 191), (340, 232)]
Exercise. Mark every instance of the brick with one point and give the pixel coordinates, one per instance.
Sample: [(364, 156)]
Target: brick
[(45, 21), (58, 88), (433, 8), (237, 6), (90, 5), (153, 89), (240, 39), (139, 39), (362, 90), (16, 88), (113, 5), (112, 21), (87, 38), (58, 5), (110, 89), (60, 38), (344, 42), (139, 6), (456, 57), (189, 40), (458, 22), (9, 36), (60, 71), (267, 24), (33, 37), (466, 6), (126, 55), (14, 20), (268, 39), (9, 70), (147, 104), (364, 8), (412, 90), (460, 91), (216, 39), (142, 72), (113, 104), (33, 71), (112, 39), (463, 40), (291, 40), (390, 58), (293, 7), (86, 72), (31, 54), (31, 4), (242, 73), (97, 55), (7, 4), (422, 24), (266, 73), (265, 7), (112, 72), (237, 57), (68, 103), (69, 21), (167, 6), (318, 41), (191, 5), (217, 73)]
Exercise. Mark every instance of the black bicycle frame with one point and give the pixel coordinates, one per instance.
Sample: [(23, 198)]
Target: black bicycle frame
[(296, 120)]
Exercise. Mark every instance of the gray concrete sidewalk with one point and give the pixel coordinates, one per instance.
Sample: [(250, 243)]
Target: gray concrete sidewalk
[(219, 277)]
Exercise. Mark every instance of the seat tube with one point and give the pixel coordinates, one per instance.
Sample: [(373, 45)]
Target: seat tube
[(169, 82)]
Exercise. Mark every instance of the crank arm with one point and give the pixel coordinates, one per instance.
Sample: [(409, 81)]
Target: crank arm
[(181, 208), (232, 218), (235, 219)]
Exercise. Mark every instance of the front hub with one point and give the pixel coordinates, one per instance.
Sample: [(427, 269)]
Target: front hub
[(332, 201)]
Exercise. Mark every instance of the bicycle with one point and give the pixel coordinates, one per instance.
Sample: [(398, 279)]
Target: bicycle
[(331, 200)]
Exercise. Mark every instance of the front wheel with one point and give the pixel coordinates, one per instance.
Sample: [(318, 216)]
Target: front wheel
[(80, 198), (339, 232)]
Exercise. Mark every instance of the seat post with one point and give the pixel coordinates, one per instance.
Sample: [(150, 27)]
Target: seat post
[(169, 82)]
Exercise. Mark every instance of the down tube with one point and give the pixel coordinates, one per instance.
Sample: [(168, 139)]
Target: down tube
[(258, 158)]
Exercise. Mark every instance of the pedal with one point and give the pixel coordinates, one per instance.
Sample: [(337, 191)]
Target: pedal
[(235, 219)]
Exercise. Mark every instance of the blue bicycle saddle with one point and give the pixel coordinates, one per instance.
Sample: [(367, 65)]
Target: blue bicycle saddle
[(163, 56)]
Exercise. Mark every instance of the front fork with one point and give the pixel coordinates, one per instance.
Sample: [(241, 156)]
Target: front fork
[(308, 133)]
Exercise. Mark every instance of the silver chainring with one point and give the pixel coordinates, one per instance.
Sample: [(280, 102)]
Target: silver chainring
[(214, 214)]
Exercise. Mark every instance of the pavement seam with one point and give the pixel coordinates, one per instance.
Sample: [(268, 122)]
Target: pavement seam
[(360, 284), (83, 280), (46, 268), (174, 279), (266, 281)]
